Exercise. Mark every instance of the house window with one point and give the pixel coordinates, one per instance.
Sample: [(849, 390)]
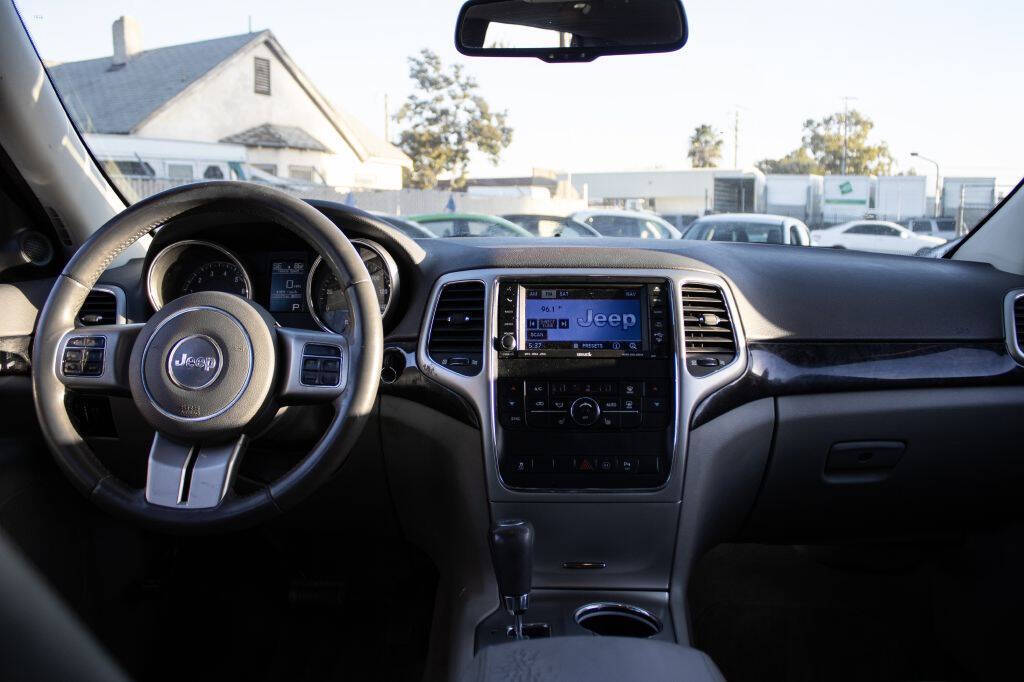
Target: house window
[(268, 168), (262, 76), (304, 173), (179, 171), (133, 168)]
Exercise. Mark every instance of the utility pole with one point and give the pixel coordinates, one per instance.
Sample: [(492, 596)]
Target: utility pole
[(846, 130), (736, 140)]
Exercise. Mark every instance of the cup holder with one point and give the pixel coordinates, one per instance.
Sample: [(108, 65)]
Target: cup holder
[(611, 619)]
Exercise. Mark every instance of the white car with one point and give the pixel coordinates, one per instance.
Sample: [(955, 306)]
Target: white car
[(756, 228), (612, 222), (873, 235)]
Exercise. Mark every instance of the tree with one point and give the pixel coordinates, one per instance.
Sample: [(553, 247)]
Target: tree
[(821, 150), (446, 122), (797, 162), (824, 141), (705, 147)]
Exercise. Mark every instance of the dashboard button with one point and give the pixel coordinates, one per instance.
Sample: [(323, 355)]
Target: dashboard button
[(537, 420), (605, 464), (608, 420), (536, 388), (657, 389), (655, 404), (583, 464), (521, 465), (559, 419), (537, 403), (631, 404), (629, 420), (512, 420), (511, 403), (585, 411), (613, 404), (330, 365), (559, 403), (629, 465), (632, 388)]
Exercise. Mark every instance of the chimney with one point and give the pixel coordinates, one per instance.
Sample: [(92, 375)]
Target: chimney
[(127, 40)]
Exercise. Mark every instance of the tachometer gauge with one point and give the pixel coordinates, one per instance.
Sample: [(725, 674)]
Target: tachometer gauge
[(217, 276), (327, 300)]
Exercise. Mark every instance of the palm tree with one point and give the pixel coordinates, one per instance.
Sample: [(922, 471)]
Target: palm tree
[(705, 147)]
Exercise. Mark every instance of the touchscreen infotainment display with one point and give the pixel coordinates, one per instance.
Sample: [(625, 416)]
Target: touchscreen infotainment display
[(584, 319)]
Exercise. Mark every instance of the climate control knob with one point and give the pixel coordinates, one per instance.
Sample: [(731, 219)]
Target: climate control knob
[(508, 341), (584, 411)]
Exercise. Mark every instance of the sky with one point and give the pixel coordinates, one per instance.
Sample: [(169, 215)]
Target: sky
[(940, 78)]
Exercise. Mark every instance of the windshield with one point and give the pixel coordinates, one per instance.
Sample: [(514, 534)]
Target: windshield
[(787, 108)]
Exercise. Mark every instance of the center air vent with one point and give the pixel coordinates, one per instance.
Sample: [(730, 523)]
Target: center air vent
[(457, 330), (707, 329), (100, 307)]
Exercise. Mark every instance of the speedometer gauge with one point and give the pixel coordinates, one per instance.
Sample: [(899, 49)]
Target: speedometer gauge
[(327, 300)]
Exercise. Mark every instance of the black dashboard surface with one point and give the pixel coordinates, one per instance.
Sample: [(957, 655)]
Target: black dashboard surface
[(784, 294)]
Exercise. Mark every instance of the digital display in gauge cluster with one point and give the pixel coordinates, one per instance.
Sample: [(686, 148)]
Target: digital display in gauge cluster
[(288, 275)]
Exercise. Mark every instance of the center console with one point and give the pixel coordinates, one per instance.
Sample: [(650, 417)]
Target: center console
[(585, 387)]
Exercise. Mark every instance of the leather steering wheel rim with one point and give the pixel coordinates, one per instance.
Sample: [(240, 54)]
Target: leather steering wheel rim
[(363, 343)]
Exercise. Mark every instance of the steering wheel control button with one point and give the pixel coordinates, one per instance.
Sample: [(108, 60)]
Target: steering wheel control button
[(195, 362), (87, 342), (83, 360), (585, 411), (321, 365)]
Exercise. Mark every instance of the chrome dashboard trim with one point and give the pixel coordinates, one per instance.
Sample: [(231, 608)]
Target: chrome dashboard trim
[(476, 389), (1014, 345), (389, 263), (156, 301)]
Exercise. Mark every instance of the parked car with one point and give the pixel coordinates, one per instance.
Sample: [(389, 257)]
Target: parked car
[(469, 225), (873, 235), (405, 226), (939, 251), (551, 225), (936, 227), (757, 228), (609, 222), (680, 220)]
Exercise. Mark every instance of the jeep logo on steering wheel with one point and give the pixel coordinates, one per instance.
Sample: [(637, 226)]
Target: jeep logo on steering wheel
[(194, 362)]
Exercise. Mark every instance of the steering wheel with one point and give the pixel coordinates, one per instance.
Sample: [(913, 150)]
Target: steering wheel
[(207, 371)]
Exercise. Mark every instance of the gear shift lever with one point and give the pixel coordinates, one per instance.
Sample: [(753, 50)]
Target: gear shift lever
[(512, 555)]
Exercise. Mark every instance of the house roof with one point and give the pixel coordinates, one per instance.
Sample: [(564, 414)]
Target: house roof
[(271, 135), (102, 98)]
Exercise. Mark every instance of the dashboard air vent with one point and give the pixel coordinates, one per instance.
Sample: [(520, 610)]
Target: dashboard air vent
[(457, 330), (707, 329), (100, 307)]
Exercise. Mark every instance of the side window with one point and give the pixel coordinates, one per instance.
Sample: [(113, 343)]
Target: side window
[(921, 225), (179, 171), (859, 228), (654, 230), (886, 231)]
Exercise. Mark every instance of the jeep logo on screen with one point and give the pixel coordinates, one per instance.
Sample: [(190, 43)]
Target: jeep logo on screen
[(625, 321), (194, 362)]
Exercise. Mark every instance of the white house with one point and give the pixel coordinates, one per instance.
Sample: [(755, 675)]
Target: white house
[(241, 91)]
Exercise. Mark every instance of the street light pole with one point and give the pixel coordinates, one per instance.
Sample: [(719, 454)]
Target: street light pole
[(937, 176)]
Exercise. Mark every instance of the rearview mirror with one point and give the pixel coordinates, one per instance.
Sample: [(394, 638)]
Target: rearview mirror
[(573, 31)]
